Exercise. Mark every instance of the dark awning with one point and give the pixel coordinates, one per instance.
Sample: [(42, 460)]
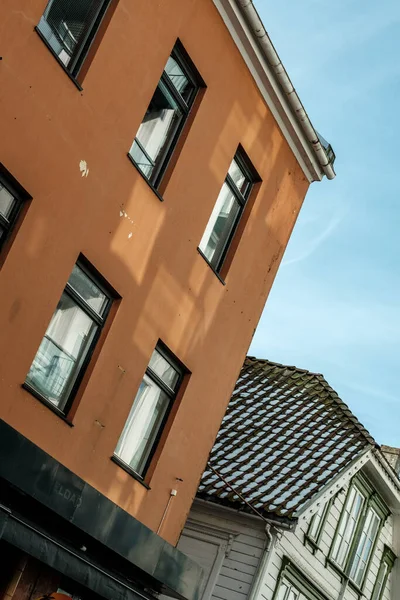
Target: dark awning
[(34, 472), (37, 544)]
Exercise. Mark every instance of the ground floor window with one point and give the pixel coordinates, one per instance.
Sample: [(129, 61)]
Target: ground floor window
[(292, 585)]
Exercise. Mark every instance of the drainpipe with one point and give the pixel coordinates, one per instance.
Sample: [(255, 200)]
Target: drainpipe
[(262, 568), (172, 494), (254, 21)]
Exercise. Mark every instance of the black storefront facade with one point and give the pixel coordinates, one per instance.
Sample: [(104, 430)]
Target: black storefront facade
[(84, 542)]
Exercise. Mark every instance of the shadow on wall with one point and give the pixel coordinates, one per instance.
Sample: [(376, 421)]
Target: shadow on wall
[(147, 251)]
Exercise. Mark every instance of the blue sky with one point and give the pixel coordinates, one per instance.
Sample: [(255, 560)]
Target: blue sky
[(334, 307)]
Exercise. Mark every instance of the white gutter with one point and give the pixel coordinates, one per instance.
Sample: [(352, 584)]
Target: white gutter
[(263, 565), (254, 21)]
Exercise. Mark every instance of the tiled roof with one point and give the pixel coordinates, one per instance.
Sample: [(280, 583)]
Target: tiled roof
[(286, 434)]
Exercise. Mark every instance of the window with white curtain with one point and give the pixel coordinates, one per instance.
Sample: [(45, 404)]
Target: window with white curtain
[(227, 211), (149, 412), (69, 340), (166, 115)]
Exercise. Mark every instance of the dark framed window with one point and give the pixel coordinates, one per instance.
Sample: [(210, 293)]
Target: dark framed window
[(292, 585), (69, 26), (69, 341), (358, 530), (149, 412), (166, 115), (228, 210), (387, 562), (12, 197)]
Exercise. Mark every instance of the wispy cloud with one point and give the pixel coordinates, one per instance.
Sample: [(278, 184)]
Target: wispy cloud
[(378, 394), (334, 305), (311, 245)]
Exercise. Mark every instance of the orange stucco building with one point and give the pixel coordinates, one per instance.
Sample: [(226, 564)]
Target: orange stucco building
[(121, 206)]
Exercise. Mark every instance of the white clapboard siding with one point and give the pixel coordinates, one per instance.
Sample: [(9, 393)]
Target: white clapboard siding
[(313, 565), (230, 573), (204, 551)]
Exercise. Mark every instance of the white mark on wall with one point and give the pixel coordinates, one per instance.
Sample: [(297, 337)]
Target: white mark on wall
[(130, 235), (124, 214), (84, 169)]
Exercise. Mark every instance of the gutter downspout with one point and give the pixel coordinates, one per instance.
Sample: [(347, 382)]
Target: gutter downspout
[(254, 21), (262, 569)]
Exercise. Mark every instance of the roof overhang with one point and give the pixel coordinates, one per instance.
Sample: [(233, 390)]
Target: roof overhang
[(384, 479), (372, 464), (290, 124)]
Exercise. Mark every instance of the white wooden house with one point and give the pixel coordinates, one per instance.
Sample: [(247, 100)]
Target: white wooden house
[(297, 502)]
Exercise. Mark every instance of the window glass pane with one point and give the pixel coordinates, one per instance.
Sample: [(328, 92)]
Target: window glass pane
[(380, 581), (157, 130), (346, 531), (88, 290), (222, 221), (364, 548), (7, 202), (181, 82), (316, 522), (283, 590), (239, 178), (164, 370), (61, 352), (142, 426), (66, 25)]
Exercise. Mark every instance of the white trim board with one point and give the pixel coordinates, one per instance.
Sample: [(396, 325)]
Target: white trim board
[(269, 88)]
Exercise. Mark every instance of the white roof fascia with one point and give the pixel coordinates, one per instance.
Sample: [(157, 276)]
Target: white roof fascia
[(370, 462), (270, 90), (386, 482), (331, 488)]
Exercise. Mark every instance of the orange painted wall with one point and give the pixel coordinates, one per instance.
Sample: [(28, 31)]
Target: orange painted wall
[(168, 291)]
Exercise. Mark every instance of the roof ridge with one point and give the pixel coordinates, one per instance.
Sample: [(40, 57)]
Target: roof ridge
[(277, 364), (342, 404), (285, 435), (335, 396)]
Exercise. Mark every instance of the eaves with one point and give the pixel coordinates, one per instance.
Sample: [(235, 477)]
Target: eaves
[(270, 89)]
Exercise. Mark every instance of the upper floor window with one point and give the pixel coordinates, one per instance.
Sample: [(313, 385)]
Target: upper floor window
[(69, 26), (385, 567), (12, 196), (69, 341), (166, 115), (359, 525), (364, 548), (228, 210), (149, 411), (349, 520), (317, 522)]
